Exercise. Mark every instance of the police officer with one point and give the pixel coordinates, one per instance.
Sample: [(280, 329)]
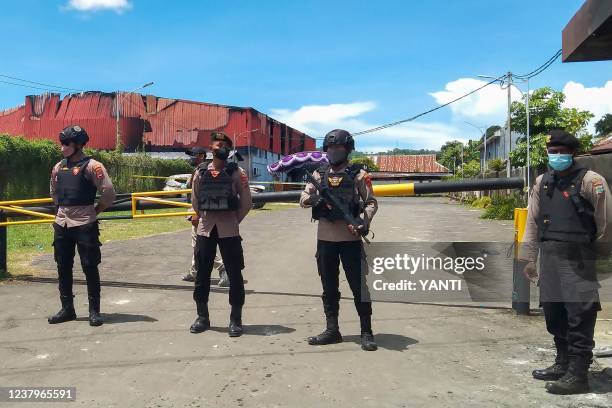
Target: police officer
[(568, 224), (198, 157), (74, 183), (336, 240), (221, 199)]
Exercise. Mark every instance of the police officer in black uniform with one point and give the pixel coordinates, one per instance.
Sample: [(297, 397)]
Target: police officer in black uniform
[(567, 224), (74, 183), (221, 198), (336, 240)]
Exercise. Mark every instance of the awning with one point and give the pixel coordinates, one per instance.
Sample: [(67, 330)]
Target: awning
[(588, 35)]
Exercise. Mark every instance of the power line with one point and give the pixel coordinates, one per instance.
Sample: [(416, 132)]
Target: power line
[(28, 86), (399, 122), (532, 74), (53, 87), (541, 68)]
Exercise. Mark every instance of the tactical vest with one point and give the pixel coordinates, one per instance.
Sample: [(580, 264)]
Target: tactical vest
[(216, 192), (342, 186), (73, 188), (564, 214)]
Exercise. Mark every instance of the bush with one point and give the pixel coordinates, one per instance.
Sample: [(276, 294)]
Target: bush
[(482, 202), (496, 165), (502, 207), (25, 168)]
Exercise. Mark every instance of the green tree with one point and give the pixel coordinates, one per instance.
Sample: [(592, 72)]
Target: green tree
[(546, 113), (365, 161), (450, 154), (471, 151), (603, 127), (470, 169)]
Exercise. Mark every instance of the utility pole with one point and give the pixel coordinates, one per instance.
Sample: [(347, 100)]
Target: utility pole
[(461, 159), (118, 97), (528, 143), (508, 165)]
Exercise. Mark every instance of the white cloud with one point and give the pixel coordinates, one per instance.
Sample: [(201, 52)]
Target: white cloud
[(316, 120), (118, 6), (596, 100), (312, 118), (488, 105)]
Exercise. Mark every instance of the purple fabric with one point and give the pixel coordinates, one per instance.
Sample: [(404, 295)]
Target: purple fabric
[(296, 160)]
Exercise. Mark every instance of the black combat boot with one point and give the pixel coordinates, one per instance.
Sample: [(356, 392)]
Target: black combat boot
[(235, 325), (555, 371), (66, 313), (202, 322), (94, 311), (575, 380), (330, 335), (367, 337)]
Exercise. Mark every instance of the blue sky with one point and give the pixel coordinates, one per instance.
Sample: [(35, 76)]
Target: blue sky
[(314, 64)]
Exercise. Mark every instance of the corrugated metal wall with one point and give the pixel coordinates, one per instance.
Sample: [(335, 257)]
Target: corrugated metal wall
[(158, 123)]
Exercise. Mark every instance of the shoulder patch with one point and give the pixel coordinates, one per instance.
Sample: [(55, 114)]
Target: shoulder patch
[(597, 185), (98, 170), (368, 180)]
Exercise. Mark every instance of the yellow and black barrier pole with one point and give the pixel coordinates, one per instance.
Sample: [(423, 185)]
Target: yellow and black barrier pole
[(435, 187), (149, 200)]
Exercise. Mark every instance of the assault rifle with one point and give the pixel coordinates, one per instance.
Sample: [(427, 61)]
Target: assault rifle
[(335, 203)]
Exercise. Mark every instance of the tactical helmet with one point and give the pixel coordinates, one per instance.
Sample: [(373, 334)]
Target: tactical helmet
[(339, 137), (73, 133)]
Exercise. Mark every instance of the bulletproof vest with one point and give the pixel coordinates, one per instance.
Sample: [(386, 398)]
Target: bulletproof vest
[(73, 188), (342, 186), (564, 214), (216, 193)]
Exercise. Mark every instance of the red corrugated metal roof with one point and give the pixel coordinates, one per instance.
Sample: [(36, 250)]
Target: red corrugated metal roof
[(409, 163), (167, 123)]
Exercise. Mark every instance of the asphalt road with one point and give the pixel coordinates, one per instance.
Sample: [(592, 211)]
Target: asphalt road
[(430, 355)]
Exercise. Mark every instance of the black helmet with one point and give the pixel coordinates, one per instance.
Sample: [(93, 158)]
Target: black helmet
[(339, 137), (73, 133)]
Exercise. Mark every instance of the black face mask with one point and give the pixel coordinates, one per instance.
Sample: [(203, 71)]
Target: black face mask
[(193, 161), (221, 153), (336, 157)]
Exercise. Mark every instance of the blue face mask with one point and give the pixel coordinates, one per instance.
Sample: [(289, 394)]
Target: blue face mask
[(560, 161)]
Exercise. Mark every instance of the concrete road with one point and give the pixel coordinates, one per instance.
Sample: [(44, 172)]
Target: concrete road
[(144, 356)]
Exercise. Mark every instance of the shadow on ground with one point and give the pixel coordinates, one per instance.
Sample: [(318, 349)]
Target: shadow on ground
[(114, 318), (389, 341), (258, 329)]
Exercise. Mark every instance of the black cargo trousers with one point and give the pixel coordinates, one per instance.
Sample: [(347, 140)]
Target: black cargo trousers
[(233, 259), (350, 253), (569, 295), (86, 238)]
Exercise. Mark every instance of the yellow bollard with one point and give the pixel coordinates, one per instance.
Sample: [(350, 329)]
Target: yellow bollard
[(520, 284)]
